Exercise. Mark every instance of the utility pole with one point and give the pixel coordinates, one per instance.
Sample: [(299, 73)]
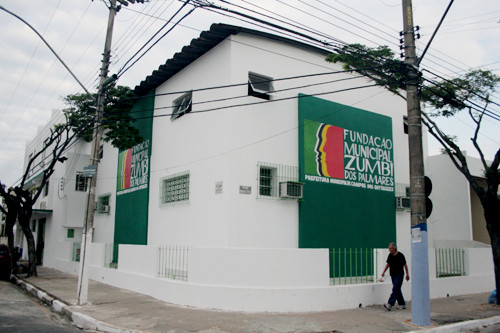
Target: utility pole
[(83, 277), (420, 300)]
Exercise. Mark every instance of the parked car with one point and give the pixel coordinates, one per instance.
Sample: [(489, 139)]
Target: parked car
[(4, 262)]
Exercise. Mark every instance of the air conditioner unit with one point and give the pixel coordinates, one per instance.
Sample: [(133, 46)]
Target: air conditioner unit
[(105, 209), (292, 190), (402, 203), (43, 205)]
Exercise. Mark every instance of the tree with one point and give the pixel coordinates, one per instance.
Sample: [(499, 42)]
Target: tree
[(116, 122), (10, 212), (445, 98), (20, 200), (118, 129)]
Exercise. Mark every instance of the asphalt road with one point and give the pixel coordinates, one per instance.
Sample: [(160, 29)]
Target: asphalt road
[(20, 313)]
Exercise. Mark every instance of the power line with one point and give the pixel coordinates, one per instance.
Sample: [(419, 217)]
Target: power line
[(123, 69)]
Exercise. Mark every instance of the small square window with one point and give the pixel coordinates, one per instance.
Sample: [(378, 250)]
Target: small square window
[(260, 86), (71, 233), (103, 206), (175, 189), (182, 105)]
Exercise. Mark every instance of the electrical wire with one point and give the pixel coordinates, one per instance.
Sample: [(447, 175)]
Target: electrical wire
[(124, 68)]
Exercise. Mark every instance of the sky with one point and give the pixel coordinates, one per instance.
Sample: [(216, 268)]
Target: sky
[(33, 82)]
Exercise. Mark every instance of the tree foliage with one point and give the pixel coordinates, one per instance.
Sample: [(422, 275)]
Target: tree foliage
[(117, 122), (378, 64)]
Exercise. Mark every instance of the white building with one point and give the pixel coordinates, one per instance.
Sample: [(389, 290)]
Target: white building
[(261, 163), (465, 223), (59, 213)]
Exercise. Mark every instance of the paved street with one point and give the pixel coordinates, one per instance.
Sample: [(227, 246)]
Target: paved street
[(23, 313)]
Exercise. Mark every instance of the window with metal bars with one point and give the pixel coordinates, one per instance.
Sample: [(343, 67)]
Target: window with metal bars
[(267, 178), (270, 176), (81, 182)]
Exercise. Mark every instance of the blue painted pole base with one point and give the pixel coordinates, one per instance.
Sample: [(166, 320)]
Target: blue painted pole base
[(420, 299)]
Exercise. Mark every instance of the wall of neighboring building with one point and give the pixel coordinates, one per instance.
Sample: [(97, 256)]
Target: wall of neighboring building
[(479, 231), (457, 212)]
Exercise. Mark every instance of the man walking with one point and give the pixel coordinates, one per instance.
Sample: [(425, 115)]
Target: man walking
[(396, 262)]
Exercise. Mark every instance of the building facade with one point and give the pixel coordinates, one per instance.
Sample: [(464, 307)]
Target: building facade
[(260, 162)]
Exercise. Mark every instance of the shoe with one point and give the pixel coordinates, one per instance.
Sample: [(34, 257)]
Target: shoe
[(402, 307), (388, 306)]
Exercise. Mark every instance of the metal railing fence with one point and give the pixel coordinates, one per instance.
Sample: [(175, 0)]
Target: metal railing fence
[(75, 252), (108, 256), (353, 266), (173, 262), (450, 262)]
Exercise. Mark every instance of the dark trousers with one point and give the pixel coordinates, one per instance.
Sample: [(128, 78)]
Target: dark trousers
[(397, 295)]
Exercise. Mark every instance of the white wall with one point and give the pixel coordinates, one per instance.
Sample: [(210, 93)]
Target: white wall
[(261, 291), (104, 224), (226, 145), (266, 268)]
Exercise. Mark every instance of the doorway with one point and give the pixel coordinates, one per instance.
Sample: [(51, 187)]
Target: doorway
[(40, 241)]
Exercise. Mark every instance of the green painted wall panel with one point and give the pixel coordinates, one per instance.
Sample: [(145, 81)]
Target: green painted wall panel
[(347, 166), (132, 188)]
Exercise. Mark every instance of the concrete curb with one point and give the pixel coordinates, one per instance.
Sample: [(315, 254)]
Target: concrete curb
[(465, 326), (78, 319)]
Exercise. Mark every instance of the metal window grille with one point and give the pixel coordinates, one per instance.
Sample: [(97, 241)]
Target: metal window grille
[(175, 189), (108, 256), (173, 262), (270, 176), (103, 204), (450, 262), (402, 190), (353, 266), (266, 180), (81, 182)]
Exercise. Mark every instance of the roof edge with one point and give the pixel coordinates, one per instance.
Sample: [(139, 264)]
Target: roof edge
[(201, 45)]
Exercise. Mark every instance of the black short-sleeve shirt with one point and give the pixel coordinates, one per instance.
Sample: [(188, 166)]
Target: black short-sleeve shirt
[(396, 263)]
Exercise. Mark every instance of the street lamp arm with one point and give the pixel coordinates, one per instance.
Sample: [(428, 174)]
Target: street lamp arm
[(46, 43)]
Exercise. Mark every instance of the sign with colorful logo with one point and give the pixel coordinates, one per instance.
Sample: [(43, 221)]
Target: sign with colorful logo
[(133, 168), (351, 157)]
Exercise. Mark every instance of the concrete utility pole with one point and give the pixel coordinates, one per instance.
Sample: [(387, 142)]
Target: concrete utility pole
[(420, 300), (83, 277)]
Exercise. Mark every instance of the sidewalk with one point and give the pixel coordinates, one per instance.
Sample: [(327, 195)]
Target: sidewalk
[(116, 310)]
